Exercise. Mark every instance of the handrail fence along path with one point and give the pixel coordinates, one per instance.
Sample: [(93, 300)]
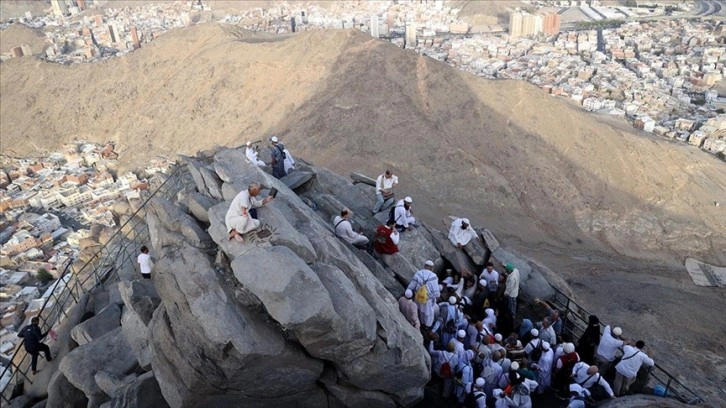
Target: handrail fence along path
[(575, 321), (99, 270)]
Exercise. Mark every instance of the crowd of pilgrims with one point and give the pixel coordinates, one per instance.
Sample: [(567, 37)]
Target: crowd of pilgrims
[(484, 355)]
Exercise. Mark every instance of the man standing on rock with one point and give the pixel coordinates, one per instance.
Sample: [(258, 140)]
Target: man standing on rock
[(461, 232), (343, 229), (511, 290), (239, 219), (608, 348), (627, 369), (385, 243), (32, 337), (384, 190), (278, 158), (144, 261), (408, 308), (428, 279)]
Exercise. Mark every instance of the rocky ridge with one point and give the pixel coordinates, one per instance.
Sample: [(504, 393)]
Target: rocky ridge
[(298, 318)]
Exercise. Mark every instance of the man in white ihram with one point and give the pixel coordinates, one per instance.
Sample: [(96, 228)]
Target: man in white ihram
[(403, 216), (461, 232), (384, 190), (344, 229), (426, 277), (240, 219), (251, 154)]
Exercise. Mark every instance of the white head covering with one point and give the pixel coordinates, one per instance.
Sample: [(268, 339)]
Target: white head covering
[(514, 366), (249, 143), (489, 312), (617, 331), (460, 334), (497, 392), (429, 263), (483, 281), (575, 387), (273, 139), (568, 348), (452, 300), (534, 332), (408, 294), (465, 221), (498, 337), (545, 346), (408, 200), (480, 382)]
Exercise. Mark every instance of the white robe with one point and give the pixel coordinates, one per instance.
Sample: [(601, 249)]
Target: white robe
[(460, 236), (251, 155), (544, 370), (238, 217)]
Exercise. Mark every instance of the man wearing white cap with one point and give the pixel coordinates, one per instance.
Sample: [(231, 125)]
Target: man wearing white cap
[(450, 318), (544, 368), (607, 349), (426, 277), (480, 398), (251, 154), (464, 377), (409, 309), (578, 396), (461, 232), (588, 376), (402, 215), (277, 152)]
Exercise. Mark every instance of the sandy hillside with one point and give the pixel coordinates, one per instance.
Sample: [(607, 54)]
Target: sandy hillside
[(482, 13), (613, 212), (17, 35), (17, 8)]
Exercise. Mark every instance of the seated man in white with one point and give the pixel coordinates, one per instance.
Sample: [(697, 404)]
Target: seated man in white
[(240, 218), (403, 216), (461, 232), (343, 229), (251, 154)]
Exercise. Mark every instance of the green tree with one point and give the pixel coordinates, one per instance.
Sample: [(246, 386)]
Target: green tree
[(43, 276)]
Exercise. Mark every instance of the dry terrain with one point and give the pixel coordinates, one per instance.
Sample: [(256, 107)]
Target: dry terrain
[(614, 212), (17, 35)]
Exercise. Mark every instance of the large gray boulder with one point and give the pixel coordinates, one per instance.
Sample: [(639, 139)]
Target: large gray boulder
[(108, 319), (198, 206), (140, 300), (321, 310), (384, 275), (176, 225), (112, 383), (212, 182), (458, 259), (63, 394), (297, 179), (142, 392), (532, 282), (208, 347), (110, 353)]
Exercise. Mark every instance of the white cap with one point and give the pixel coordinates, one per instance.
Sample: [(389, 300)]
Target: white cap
[(514, 366), (452, 300), (249, 143), (545, 345), (429, 263), (464, 220), (575, 387), (498, 337), (480, 382), (568, 348), (534, 332), (483, 281), (408, 294), (617, 331), (273, 139), (408, 200), (460, 334)]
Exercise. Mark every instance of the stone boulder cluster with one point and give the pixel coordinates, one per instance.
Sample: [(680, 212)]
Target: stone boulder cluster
[(299, 318)]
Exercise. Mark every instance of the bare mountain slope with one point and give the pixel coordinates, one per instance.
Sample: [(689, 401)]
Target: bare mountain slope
[(505, 153)]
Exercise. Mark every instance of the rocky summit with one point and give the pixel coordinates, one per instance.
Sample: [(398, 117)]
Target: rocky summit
[(297, 318)]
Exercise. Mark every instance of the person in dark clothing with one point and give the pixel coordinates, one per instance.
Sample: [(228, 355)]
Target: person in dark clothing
[(32, 337), (278, 158), (589, 340)]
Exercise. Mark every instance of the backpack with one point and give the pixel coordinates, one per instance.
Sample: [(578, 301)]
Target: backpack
[(446, 371), (472, 398), (450, 325), (392, 214), (536, 354)]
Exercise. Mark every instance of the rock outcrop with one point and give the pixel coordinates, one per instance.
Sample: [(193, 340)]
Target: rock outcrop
[(298, 318)]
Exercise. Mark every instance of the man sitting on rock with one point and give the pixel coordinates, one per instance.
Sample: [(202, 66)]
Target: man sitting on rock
[(344, 230), (32, 337), (251, 154), (461, 232), (384, 190), (403, 216), (240, 218), (385, 243)]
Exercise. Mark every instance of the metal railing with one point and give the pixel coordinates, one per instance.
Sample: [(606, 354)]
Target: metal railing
[(575, 321), (99, 269)]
